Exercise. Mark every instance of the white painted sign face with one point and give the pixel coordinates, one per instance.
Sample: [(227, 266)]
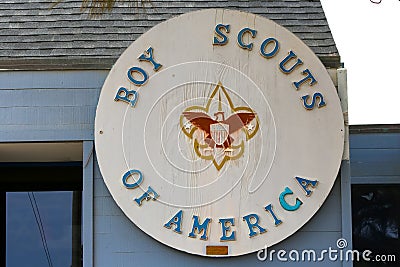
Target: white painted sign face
[(219, 132)]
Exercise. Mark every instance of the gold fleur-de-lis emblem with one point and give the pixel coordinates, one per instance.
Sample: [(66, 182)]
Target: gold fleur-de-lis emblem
[(219, 139)]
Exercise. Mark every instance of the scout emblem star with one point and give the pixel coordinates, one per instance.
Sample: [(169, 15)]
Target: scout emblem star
[(219, 139)]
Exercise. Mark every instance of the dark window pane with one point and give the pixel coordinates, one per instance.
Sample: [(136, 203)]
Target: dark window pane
[(37, 240), (376, 210)]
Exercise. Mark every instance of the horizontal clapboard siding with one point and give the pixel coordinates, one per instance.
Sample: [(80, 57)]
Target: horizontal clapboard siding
[(48, 105), (375, 155)]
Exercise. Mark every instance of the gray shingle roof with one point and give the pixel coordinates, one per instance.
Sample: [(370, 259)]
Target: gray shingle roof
[(33, 35)]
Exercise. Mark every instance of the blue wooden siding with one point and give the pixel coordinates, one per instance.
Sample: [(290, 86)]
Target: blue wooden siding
[(48, 105), (375, 157)]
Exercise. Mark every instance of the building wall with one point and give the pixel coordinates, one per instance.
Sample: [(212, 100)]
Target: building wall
[(375, 156), (60, 106), (48, 105)]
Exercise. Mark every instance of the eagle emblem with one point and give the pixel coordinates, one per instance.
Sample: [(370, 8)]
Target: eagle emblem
[(216, 137)]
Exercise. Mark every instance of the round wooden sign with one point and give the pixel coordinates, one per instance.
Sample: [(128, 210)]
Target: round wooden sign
[(219, 132)]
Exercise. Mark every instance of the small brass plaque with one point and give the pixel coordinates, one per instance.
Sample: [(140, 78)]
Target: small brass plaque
[(217, 250)]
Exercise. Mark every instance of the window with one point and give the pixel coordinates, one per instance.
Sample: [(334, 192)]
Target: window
[(41, 214), (376, 220)]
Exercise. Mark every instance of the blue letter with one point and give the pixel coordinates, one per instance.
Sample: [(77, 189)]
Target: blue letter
[(240, 38), (286, 60), (138, 70), (199, 227), (265, 44), (128, 96), (304, 183), (308, 77), (177, 220), (149, 58), (131, 173), (251, 225), (149, 194), (286, 205), (218, 32), (227, 228), (314, 98), (270, 210)]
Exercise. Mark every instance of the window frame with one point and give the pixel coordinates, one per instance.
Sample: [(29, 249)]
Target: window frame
[(86, 176)]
